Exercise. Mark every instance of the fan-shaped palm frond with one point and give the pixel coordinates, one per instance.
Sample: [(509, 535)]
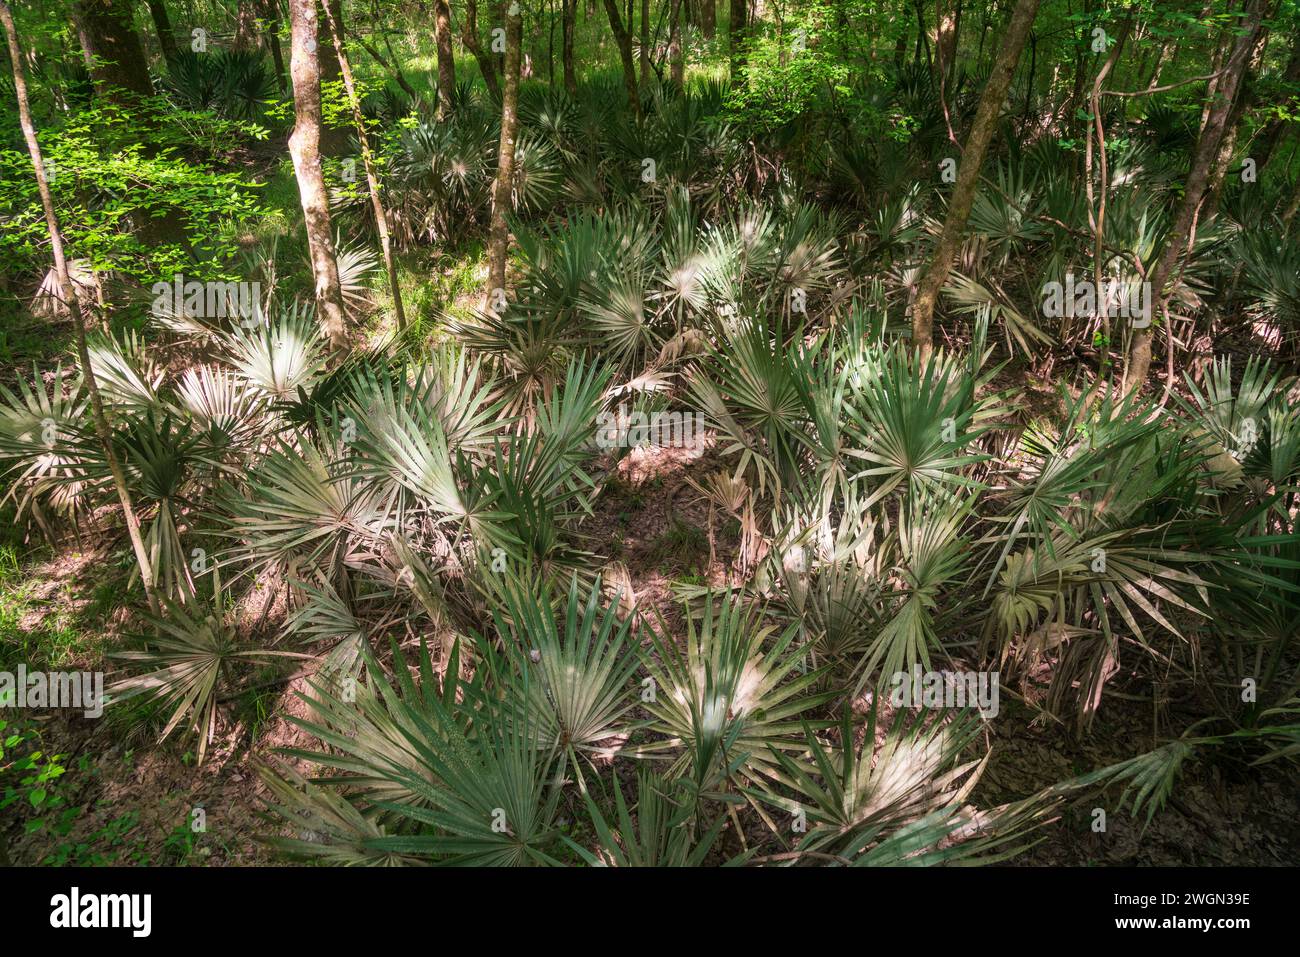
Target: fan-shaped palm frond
[(281, 357), (725, 697), (327, 828), (191, 657), (663, 833), (581, 665), (915, 424)]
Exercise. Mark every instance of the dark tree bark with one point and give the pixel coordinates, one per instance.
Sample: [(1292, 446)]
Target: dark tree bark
[(1222, 46), (446, 62), (245, 25), (968, 175), (1167, 48), (1203, 156), (270, 13), (676, 61), (1244, 100), (333, 140), (708, 18), (624, 40), (83, 40), (499, 19), (922, 38), (121, 77), (947, 19), (469, 37), (163, 25), (304, 147), (326, 58), (499, 232), (1288, 214), (69, 293), (1272, 133), (120, 72), (736, 35), (570, 10), (645, 42)]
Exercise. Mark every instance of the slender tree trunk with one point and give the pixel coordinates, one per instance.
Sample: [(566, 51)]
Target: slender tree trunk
[(570, 9), (645, 42), (1221, 46), (1288, 214), (1033, 72), (1245, 100), (327, 60), (1096, 146), (120, 72), (736, 36), (1167, 48), (676, 61), (981, 134), (304, 147), (392, 67), (333, 140), (270, 12), (499, 13), (83, 41), (245, 25), (69, 293), (1272, 134), (956, 43), (372, 181), (499, 232), (708, 18), (121, 77), (624, 40), (446, 62), (469, 37), (945, 41), (1228, 146), (1207, 149), (1066, 117), (163, 25), (1075, 97), (922, 37)]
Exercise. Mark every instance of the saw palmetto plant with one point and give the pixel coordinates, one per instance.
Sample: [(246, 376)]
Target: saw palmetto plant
[(898, 515), (186, 664), (729, 398)]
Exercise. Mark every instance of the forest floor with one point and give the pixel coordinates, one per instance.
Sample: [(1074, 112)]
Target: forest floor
[(126, 799), (130, 800)]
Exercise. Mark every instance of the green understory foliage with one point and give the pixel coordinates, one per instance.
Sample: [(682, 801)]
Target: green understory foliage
[(415, 526)]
